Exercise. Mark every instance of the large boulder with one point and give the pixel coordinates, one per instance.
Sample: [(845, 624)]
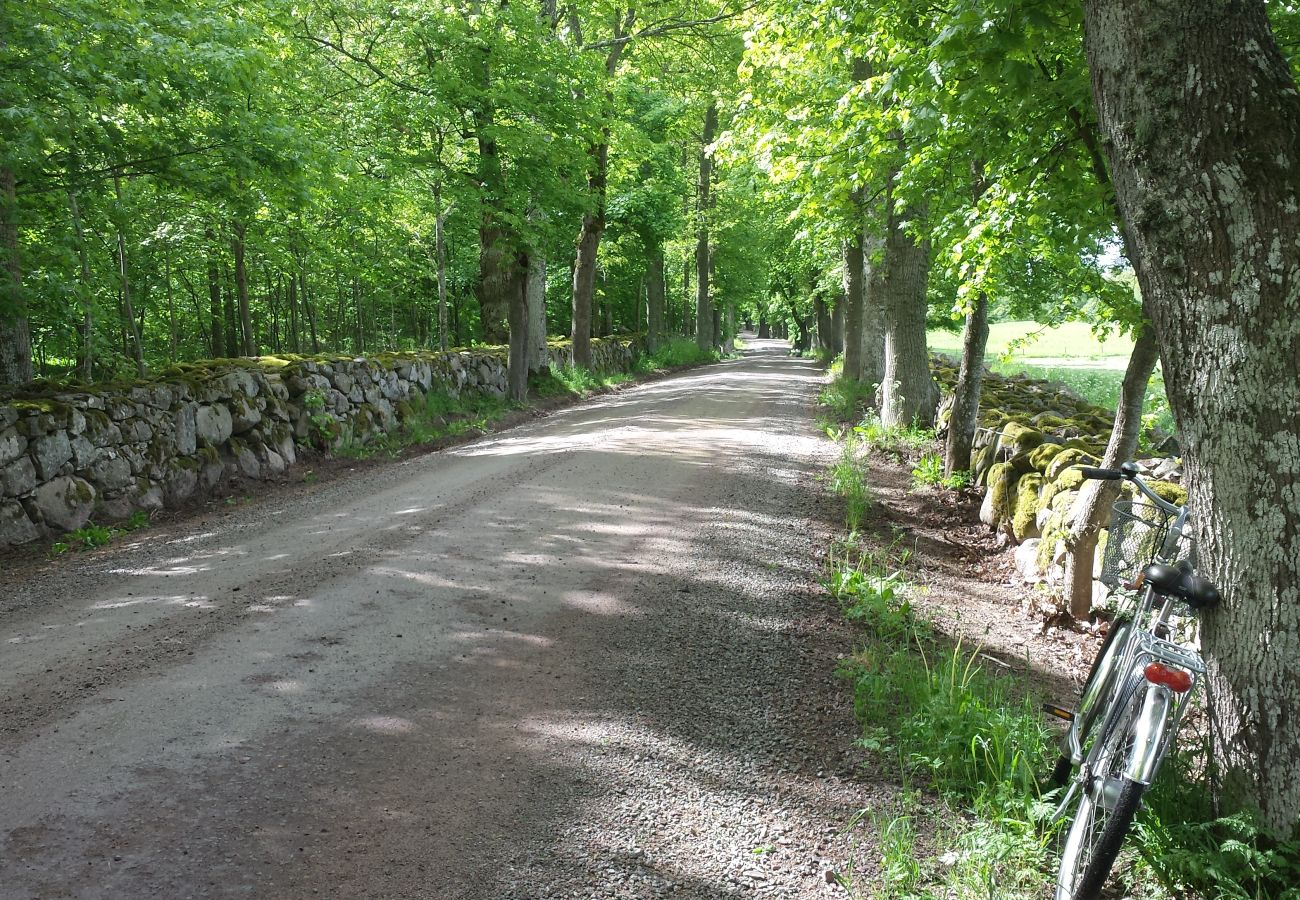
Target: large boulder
[(1024, 523), (65, 502), (15, 527), (213, 424)]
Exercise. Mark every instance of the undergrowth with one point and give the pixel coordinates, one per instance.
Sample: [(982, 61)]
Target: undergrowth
[(969, 745), (90, 535), (439, 416)]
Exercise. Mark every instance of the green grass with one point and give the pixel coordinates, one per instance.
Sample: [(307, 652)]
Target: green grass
[(90, 536), (928, 472), (439, 416), (848, 479), (844, 400), (970, 744), (1026, 340)]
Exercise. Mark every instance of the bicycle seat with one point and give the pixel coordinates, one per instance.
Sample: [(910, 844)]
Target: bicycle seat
[(1172, 581)]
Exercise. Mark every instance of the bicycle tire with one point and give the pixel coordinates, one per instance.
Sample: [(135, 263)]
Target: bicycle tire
[(1082, 875), (1064, 766)]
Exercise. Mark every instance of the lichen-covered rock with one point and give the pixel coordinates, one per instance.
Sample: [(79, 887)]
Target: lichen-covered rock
[(181, 481), (12, 445), (213, 424), (186, 428), (65, 502), (244, 415), (18, 478), (1024, 523), (15, 527), (112, 473), (1026, 557), (50, 452)]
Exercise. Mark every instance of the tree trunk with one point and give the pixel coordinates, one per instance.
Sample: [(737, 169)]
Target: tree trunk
[(538, 353), (966, 396), (703, 303), (1204, 155), (764, 330), (873, 312), (584, 273), (440, 252), (249, 342), (218, 324), (837, 324), (518, 356), (654, 299), (128, 311), (310, 310), (1092, 507), (854, 272), (497, 260), (823, 317), (908, 391), (86, 329), (15, 336)]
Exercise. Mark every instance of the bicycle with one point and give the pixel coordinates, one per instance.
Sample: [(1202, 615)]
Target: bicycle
[(1138, 688)]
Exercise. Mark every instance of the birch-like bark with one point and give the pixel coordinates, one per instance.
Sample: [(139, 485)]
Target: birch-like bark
[(128, 310), (966, 396), (1092, 507)]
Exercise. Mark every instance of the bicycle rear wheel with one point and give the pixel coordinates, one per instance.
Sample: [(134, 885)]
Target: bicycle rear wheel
[(1106, 808)]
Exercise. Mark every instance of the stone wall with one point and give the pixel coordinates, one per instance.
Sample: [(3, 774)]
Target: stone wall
[(1034, 438), (102, 453)]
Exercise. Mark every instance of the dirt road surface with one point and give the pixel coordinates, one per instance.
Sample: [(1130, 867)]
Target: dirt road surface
[(585, 657)]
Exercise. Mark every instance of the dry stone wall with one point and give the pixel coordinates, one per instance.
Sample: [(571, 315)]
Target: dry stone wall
[(102, 453), (1034, 438)]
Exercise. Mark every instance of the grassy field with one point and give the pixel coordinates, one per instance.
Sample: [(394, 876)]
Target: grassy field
[(1073, 340), (1070, 354)]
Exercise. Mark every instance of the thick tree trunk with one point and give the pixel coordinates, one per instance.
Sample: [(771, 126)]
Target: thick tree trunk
[(966, 396), (654, 293), (703, 303), (248, 340), (538, 353), (1092, 507), (823, 317), (584, 273), (908, 391), (216, 318), (584, 289), (518, 357), (128, 310), (854, 273), (1204, 150), (15, 336), (764, 329)]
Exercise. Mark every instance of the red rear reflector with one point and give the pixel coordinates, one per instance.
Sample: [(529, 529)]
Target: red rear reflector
[(1175, 679)]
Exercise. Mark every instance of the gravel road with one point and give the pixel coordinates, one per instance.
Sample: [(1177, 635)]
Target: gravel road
[(585, 657)]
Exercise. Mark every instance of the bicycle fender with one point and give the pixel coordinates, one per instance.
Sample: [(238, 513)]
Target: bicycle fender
[(1149, 735)]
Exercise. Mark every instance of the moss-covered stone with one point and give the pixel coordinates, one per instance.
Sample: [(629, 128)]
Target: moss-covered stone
[(1042, 455), (1018, 437), (1024, 523), (1000, 480), (1169, 492), (1068, 456)]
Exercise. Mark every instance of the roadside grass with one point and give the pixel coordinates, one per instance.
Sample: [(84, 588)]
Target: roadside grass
[(90, 535), (439, 416), (969, 745), (928, 472)]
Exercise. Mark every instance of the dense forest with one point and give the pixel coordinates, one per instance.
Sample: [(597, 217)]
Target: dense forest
[(199, 179)]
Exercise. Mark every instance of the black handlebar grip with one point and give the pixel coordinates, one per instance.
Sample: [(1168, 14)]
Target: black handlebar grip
[(1102, 474)]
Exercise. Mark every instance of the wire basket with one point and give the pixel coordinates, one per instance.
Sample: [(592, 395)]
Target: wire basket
[(1135, 537)]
